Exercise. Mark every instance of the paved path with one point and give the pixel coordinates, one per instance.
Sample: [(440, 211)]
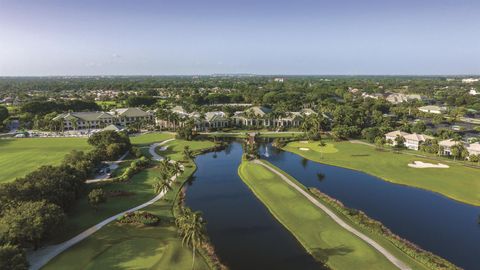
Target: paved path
[(113, 165), (338, 220), (152, 152), (40, 257)]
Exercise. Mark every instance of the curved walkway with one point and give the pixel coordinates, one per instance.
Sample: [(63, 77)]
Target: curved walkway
[(40, 257), (152, 147), (398, 263)]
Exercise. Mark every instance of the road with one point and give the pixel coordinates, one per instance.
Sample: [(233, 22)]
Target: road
[(42, 256), (398, 263)]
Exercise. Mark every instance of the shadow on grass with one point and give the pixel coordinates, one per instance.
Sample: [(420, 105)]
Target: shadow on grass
[(322, 255)]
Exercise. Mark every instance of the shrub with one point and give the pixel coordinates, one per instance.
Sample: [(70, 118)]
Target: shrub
[(12, 258), (139, 217)]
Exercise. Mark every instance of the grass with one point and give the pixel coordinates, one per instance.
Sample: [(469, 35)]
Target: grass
[(18, 157), (175, 148), (457, 182), (149, 138), (123, 246), (317, 232)]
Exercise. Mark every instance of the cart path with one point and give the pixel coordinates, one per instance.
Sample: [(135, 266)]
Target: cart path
[(398, 263), (42, 256)]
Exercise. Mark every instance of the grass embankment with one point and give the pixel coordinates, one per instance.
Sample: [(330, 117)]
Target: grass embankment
[(149, 138), (127, 246), (457, 182), (327, 241), (19, 157)]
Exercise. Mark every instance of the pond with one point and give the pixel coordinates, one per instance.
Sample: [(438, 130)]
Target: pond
[(244, 233), (443, 226)]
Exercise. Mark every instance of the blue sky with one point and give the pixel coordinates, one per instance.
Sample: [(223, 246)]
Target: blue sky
[(116, 37)]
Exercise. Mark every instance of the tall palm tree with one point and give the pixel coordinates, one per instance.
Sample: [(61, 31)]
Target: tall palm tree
[(192, 227), (187, 153), (161, 186)]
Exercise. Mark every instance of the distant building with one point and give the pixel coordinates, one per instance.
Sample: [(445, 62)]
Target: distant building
[(94, 120), (470, 80), (397, 98), (473, 92), (433, 109), (391, 136), (446, 146), (280, 80), (474, 149), (413, 141)]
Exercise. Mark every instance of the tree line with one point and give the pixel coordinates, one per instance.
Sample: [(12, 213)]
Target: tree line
[(34, 207)]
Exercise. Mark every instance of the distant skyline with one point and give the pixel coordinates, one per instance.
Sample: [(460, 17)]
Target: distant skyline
[(305, 37)]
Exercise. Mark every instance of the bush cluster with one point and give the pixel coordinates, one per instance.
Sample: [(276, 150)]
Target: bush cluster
[(139, 217)]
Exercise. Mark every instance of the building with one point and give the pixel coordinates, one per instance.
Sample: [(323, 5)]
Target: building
[(95, 120), (127, 116), (396, 98), (433, 109), (446, 146), (391, 136), (473, 92), (413, 141), (474, 149), (85, 120), (470, 80)]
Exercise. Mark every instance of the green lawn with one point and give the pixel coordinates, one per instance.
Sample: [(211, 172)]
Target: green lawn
[(21, 156), (457, 182), (149, 138), (175, 148), (317, 232), (118, 246)]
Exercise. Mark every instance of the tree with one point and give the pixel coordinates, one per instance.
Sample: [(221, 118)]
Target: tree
[(161, 186), (3, 114), (192, 227), (96, 197), (13, 258), (419, 127), (459, 151), (399, 142), (30, 222), (379, 142), (187, 153)]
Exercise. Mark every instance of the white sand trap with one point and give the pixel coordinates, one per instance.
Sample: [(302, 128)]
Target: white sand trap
[(303, 149), (420, 164), (163, 148), (303, 141)]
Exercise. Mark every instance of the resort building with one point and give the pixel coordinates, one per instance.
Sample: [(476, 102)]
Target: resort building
[(396, 98), (94, 120), (413, 141), (474, 149), (433, 109), (446, 146), (130, 115), (391, 136)]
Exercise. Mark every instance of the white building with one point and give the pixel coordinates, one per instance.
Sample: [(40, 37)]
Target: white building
[(391, 136), (474, 149), (447, 146), (433, 109), (396, 98), (473, 92), (470, 80), (413, 141)]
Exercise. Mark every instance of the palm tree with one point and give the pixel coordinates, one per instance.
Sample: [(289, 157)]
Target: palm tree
[(187, 153), (161, 186), (191, 225)]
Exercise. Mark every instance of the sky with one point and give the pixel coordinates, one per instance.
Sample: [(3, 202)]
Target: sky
[(201, 37)]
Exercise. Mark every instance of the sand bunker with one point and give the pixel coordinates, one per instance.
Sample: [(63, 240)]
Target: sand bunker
[(303, 142), (163, 148), (303, 149), (420, 164)]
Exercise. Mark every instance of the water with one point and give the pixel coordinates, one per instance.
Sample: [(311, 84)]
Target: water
[(438, 224), (244, 233)]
